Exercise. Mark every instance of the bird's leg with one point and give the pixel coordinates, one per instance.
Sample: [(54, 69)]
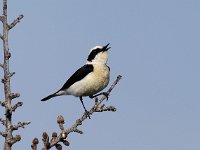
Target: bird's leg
[(81, 99), (102, 93)]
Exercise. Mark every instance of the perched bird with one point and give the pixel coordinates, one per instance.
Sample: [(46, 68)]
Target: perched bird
[(90, 79)]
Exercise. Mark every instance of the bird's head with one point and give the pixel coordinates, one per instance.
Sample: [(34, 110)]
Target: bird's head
[(98, 54)]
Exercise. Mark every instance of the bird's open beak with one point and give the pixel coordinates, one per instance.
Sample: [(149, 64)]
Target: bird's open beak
[(105, 48)]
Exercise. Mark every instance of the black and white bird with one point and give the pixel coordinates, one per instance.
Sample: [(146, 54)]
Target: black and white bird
[(90, 79)]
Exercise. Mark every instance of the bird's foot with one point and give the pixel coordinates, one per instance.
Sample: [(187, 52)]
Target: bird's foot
[(102, 93), (106, 95)]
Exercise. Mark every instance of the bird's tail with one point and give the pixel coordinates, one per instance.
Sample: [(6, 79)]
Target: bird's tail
[(49, 97)]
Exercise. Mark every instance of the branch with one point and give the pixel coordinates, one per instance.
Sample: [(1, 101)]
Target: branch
[(1, 65), (4, 134), (56, 139), (1, 36), (20, 125), (45, 140), (35, 143), (14, 95), (15, 139), (61, 121), (17, 20), (2, 18), (2, 103), (9, 127), (104, 108), (94, 108), (48, 144), (18, 104), (2, 121), (11, 74)]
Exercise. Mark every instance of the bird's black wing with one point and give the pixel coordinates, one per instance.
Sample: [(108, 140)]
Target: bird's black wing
[(78, 75)]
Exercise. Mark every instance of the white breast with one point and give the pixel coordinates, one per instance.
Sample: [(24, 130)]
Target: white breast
[(93, 83)]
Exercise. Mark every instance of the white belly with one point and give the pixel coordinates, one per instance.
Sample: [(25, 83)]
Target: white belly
[(93, 83)]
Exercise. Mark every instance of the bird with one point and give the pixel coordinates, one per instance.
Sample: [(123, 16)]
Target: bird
[(90, 79)]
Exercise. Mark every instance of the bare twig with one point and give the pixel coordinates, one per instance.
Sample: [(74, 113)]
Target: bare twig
[(20, 125), (15, 139), (17, 20), (4, 134), (60, 121), (14, 95), (18, 104), (54, 136), (45, 141), (55, 139), (1, 36), (2, 121), (35, 143), (58, 147), (1, 65), (9, 109), (11, 74), (2, 103), (6, 81), (2, 18), (104, 108)]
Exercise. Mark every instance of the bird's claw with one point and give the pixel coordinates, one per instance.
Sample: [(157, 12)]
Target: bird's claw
[(91, 96), (103, 93), (106, 95)]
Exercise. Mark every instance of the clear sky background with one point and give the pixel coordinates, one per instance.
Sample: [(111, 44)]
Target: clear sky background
[(155, 47)]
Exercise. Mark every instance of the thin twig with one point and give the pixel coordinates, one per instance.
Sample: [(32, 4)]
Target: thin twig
[(45, 140), (17, 20), (18, 104), (2, 121), (4, 134), (14, 95), (8, 123), (1, 36), (104, 108), (15, 139), (20, 125), (2, 103), (2, 18), (11, 74), (1, 65), (35, 143), (60, 121)]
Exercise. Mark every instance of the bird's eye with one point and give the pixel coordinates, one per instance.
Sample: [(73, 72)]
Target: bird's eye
[(96, 50), (93, 54)]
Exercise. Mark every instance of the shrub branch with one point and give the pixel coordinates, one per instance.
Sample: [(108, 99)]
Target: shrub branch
[(7, 103), (56, 139)]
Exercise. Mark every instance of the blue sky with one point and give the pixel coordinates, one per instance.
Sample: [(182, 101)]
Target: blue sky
[(155, 47)]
